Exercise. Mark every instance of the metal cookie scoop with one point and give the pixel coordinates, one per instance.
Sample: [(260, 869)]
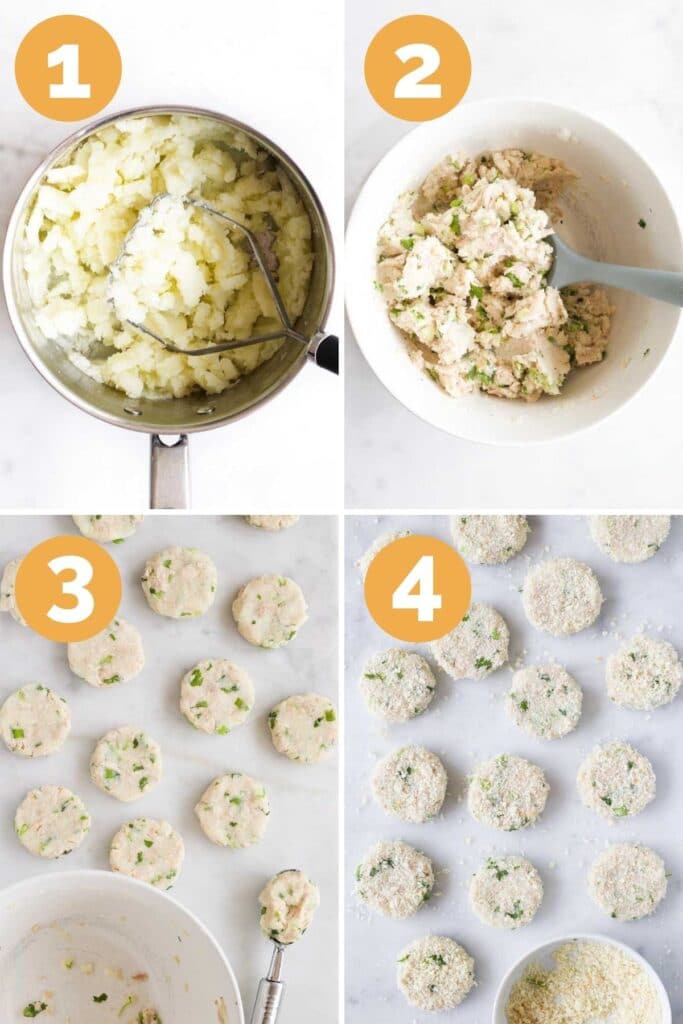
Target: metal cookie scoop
[(570, 267), (270, 989), (323, 348)]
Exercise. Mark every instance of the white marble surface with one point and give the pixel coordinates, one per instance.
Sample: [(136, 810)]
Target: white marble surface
[(272, 69), (622, 66), (465, 724), (221, 886)]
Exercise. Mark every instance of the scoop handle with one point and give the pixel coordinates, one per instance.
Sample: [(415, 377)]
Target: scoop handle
[(268, 999)]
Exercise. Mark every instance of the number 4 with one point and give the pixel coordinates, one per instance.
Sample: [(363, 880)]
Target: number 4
[(70, 88), (416, 592)]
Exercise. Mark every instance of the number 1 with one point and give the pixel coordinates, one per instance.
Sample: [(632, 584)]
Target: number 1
[(70, 88)]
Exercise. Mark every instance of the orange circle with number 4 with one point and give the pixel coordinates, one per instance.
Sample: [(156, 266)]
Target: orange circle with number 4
[(68, 588), (417, 589), (418, 67), (68, 67)]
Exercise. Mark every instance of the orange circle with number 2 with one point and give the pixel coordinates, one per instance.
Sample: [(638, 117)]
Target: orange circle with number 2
[(68, 588), (68, 67), (417, 588), (418, 67)]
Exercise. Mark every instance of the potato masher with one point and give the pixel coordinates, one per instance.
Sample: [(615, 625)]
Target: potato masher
[(327, 350)]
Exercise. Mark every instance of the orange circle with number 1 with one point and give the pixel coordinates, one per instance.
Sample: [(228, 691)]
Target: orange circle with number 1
[(417, 588), (418, 67), (68, 588), (68, 67)]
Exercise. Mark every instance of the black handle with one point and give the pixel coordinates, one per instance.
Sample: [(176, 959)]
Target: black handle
[(327, 353)]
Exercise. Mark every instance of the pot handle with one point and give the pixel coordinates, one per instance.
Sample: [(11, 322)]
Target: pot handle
[(169, 473), (324, 349)]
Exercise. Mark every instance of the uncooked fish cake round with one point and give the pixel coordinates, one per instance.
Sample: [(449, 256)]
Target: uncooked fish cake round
[(272, 522), (7, 584), (476, 647), (630, 538), (545, 701), (506, 892), (113, 656), (616, 781), (288, 903), (562, 596), (126, 763), (34, 721), (628, 881), (410, 783), (216, 696), (644, 674), (51, 821), (435, 973), (269, 611), (233, 811), (303, 727), (180, 583), (149, 850), (394, 879), (383, 541), (397, 685), (107, 529), (489, 540), (507, 792)]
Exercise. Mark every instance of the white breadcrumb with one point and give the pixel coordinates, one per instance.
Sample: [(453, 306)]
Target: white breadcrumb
[(435, 973), (476, 647), (589, 982), (630, 538), (394, 879), (397, 685), (616, 781), (545, 701), (410, 784), (562, 596), (506, 892), (507, 792), (644, 674), (628, 881), (489, 540), (363, 563)]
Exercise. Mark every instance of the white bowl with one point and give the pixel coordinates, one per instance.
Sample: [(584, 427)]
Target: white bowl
[(616, 188), (112, 928), (543, 954)]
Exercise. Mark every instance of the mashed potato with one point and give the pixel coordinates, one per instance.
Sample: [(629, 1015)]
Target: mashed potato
[(462, 265), (196, 284)]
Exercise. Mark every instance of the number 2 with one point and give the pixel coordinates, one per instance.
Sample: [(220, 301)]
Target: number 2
[(83, 574), (70, 87), (412, 85), (424, 601)]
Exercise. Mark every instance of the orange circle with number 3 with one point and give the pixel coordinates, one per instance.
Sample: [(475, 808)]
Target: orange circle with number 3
[(68, 588), (417, 588), (68, 67), (418, 67)]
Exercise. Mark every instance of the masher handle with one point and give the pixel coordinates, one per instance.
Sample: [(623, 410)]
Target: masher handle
[(325, 352)]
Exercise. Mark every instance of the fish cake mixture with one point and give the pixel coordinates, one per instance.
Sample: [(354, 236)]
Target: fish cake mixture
[(462, 265), (151, 851), (269, 611), (304, 727), (126, 763), (34, 721), (233, 811), (51, 821), (107, 529), (216, 696), (288, 903), (180, 583), (111, 657)]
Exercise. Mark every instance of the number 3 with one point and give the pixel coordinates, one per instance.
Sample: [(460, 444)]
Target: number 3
[(70, 87), (83, 574), (412, 85), (425, 601)]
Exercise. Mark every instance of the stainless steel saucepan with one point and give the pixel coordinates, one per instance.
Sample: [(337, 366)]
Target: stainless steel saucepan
[(175, 416)]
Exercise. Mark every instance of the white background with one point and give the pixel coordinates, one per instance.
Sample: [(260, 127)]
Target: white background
[(466, 723), (220, 886), (620, 63), (277, 67)]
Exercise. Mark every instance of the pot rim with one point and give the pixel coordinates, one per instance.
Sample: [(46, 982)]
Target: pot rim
[(89, 128)]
